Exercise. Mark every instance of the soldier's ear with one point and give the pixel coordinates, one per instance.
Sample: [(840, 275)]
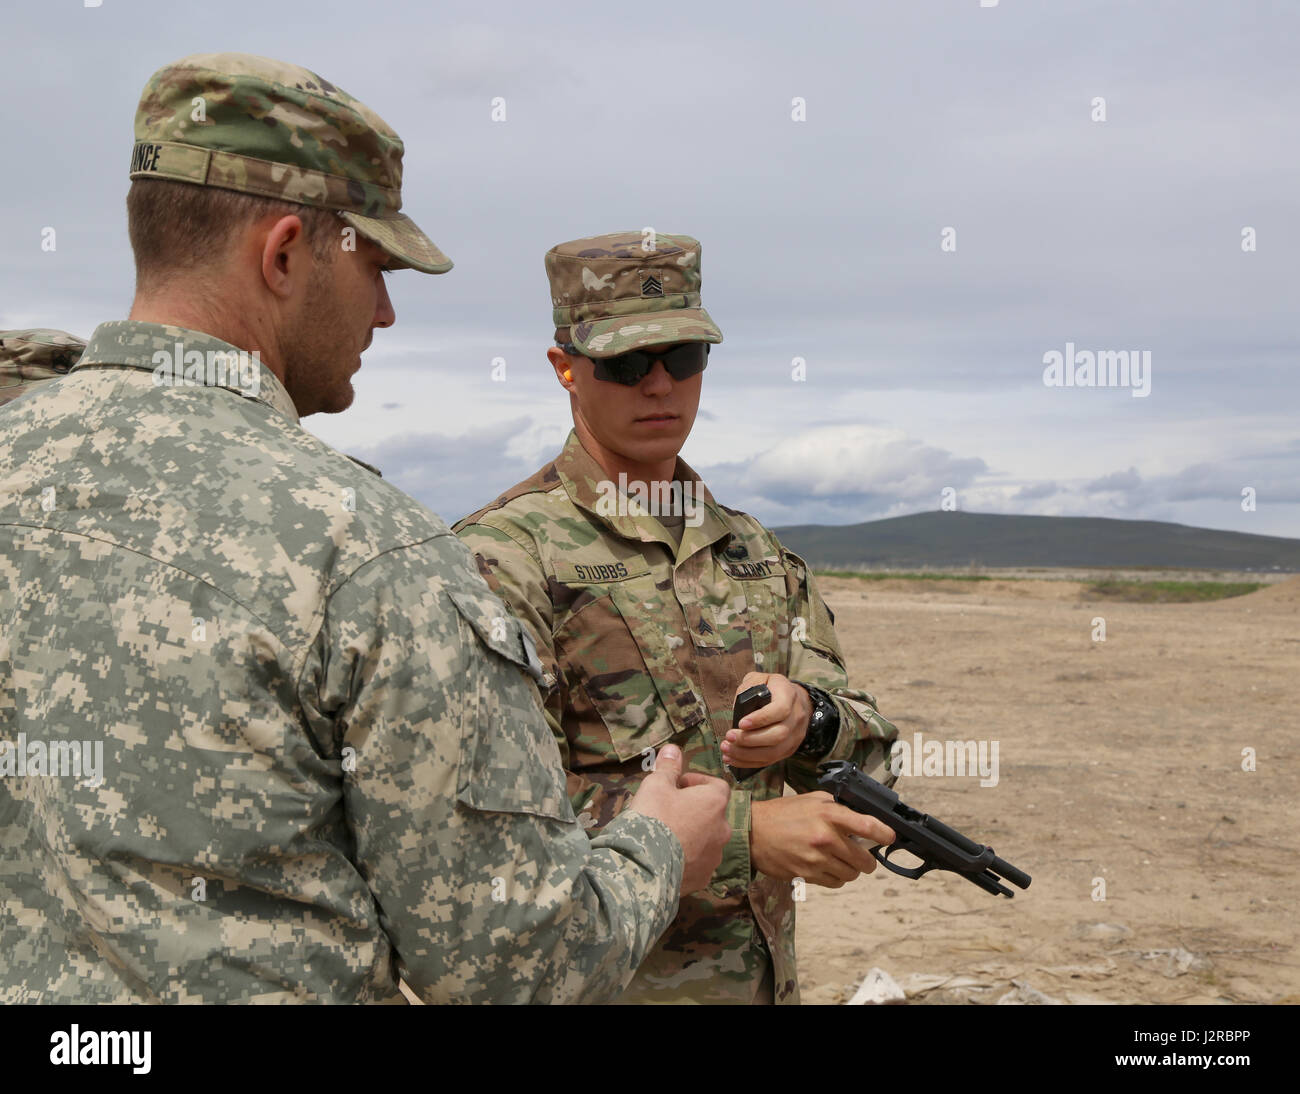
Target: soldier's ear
[(560, 362)]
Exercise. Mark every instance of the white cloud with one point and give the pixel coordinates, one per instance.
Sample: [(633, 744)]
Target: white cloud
[(848, 460)]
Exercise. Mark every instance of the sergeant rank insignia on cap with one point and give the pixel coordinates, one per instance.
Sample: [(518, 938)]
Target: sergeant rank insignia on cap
[(611, 295)]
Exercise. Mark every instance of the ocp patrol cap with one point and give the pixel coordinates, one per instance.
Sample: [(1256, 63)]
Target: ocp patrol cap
[(616, 292), (264, 127), (32, 357)]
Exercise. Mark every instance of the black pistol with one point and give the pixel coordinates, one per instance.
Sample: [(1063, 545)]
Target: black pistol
[(935, 844), (748, 701)]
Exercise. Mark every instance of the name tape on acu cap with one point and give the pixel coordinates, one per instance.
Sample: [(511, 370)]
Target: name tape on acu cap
[(265, 127), (611, 295)]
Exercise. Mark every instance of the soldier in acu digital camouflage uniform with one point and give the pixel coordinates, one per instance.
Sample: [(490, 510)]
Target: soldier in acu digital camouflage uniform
[(29, 358), (323, 762), (650, 618)]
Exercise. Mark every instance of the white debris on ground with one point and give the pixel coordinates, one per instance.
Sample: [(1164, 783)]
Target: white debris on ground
[(1022, 994), (1175, 962), (1004, 985), (878, 987), (1101, 932)]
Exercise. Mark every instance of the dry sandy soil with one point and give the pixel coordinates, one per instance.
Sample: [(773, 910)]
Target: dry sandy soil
[(1119, 760)]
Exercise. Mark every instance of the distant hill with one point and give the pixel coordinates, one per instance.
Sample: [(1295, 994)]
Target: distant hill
[(994, 539)]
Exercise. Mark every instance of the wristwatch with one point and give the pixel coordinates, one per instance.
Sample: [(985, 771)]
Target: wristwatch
[(823, 725)]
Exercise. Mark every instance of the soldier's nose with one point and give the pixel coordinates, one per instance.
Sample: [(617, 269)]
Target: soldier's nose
[(657, 379)]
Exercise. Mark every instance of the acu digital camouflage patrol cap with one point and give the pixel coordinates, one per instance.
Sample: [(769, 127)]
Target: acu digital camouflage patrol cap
[(29, 358), (265, 127), (617, 292)]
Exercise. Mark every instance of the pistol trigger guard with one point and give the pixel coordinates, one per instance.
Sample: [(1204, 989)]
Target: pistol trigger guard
[(902, 871)]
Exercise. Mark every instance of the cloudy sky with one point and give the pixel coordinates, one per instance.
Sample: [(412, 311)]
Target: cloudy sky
[(926, 121)]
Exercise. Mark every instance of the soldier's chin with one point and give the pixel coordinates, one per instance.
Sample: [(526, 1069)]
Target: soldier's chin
[(337, 400), (650, 449)]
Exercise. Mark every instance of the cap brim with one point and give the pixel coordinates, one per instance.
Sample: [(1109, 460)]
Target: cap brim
[(402, 239), (610, 337)]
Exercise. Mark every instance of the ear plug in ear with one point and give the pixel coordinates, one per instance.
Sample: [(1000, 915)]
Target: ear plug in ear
[(568, 375)]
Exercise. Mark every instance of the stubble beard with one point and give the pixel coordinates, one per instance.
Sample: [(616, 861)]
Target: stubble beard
[(314, 350)]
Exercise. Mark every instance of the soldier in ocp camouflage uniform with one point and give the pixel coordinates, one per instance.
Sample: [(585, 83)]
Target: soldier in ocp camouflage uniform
[(265, 734), (649, 622), (29, 358)]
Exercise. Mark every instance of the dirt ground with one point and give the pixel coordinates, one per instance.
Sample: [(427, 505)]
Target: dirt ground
[(1119, 760)]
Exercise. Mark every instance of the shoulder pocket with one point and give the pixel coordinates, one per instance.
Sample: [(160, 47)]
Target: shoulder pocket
[(509, 762), (498, 629), (817, 631)]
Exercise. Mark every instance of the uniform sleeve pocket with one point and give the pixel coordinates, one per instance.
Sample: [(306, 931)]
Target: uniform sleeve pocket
[(497, 628), (509, 762)]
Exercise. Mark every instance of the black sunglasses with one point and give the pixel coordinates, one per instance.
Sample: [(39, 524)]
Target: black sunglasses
[(683, 361)]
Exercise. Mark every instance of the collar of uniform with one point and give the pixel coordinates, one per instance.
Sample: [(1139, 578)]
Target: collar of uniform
[(582, 477), (133, 344)]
